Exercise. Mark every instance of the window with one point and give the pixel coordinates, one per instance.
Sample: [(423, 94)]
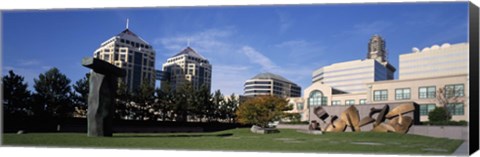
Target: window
[(426, 108), (426, 92), (380, 95), (336, 102), (299, 106), (454, 90), (402, 94), (363, 101), (106, 57), (455, 108), (316, 98), (349, 102)]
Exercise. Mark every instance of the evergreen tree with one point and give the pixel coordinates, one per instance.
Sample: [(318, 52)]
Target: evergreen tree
[(230, 108), (16, 97), (53, 93), (80, 97)]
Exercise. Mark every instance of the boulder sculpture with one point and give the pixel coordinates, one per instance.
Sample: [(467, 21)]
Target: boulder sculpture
[(101, 96)]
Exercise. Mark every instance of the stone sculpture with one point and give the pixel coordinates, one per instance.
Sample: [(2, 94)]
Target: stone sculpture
[(101, 96)]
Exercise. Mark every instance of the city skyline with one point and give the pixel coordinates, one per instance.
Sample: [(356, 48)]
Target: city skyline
[(238, 45)]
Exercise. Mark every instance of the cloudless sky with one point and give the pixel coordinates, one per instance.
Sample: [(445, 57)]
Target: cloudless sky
[(240, 42)]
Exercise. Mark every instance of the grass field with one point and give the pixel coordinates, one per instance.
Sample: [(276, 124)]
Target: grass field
[(243, 140)]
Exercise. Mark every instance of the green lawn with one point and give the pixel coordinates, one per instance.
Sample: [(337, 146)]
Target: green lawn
[(242, 140)]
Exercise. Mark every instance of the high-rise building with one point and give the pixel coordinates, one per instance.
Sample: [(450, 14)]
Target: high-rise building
[(187, 66), (351, 76), (434, 61), (271, 84), (130, 52)]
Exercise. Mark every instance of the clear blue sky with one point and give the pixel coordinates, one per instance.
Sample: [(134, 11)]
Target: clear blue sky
[(240, 42)]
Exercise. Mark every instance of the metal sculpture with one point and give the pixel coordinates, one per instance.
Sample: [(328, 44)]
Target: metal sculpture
[(350, 117)]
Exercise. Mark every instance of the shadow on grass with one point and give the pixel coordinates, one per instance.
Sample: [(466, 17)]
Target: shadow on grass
[(170, 136)]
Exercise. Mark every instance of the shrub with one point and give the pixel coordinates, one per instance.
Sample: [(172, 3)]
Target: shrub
[(439, 114)]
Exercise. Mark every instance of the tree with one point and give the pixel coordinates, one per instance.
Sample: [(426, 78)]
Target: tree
[(214, 108), (439, 114), (230, 107), (445, 96), (122, 108), (80, 97), (53, 93), (16, 96), (261, 110)]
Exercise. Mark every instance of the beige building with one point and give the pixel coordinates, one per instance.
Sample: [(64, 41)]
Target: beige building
[(351, 76), (434, 61), (425, 92), (130, 52), (423, 89), (187, 66), (271, 84)]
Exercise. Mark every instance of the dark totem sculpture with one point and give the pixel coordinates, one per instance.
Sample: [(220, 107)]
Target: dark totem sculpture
[(101, 96)]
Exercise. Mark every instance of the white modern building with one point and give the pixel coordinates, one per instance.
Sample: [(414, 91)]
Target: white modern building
[(187, 66), (271, 84), (351, 76), (423, 76), (434, 61), (130, 52)]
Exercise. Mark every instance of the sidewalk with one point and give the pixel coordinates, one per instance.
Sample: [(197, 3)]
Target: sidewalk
[(462, 150)]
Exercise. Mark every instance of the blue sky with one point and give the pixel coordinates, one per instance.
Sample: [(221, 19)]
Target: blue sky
[(240, 41)]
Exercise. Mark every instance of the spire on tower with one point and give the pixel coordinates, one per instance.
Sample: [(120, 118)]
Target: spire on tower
[(127, 24), (188, 42)]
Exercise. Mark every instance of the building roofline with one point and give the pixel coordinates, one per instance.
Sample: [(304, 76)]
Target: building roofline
[(414, 79)]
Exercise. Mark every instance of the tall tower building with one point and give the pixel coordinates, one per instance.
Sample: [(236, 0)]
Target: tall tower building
[(376, 49), (130, 52), (187, 66)]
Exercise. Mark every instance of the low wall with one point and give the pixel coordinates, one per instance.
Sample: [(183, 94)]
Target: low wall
[(451, 132)]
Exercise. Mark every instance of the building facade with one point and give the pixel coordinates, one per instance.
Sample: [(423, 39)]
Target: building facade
[(434, 61), (440, 80), (187, 66), (271, 84), (351, 76), (131, 53)]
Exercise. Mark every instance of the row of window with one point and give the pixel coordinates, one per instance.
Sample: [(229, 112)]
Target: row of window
[(456, 90), (134, 44), (453, 108), (349, 102)]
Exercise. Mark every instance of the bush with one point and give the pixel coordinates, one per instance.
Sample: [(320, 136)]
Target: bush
[(293, 117), (439, 114)]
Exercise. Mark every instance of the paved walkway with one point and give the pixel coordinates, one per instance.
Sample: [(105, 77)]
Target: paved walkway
[(462, 150)]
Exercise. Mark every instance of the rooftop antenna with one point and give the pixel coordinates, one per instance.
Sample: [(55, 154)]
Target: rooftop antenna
[(127, 23)]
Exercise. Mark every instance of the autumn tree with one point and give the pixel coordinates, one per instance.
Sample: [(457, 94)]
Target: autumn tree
[(262, 110)]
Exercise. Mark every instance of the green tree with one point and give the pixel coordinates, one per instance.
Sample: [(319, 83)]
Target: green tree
[(261, 110), (439, 114), (80, 97), (16, 96), (122, 108), (53, 93), (229, 108)]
